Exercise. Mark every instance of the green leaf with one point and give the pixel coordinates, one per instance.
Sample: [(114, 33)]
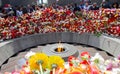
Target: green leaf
[(98, 34), (96, 61)]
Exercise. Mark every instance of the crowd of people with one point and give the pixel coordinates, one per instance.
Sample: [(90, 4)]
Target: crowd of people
[(21, 21), (9, 10), (17, 11)]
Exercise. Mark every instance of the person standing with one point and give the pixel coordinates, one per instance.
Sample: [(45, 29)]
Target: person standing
[(115, 5), (106, 4), (94, 7), (19, 12), (76, 8), (29, 9), (86, 6)]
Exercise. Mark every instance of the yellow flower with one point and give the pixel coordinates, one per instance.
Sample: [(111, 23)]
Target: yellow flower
[(56, 60), (33, 61)]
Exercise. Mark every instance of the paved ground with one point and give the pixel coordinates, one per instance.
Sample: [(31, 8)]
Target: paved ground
[(14, 62)]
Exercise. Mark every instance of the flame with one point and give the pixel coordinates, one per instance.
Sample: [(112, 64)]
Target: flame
[(60, 47)]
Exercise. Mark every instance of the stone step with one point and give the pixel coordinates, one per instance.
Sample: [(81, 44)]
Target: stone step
[(35, 49), (13, 61), (20, 55), (10, 66)]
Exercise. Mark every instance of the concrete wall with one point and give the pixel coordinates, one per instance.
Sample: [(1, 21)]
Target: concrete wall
[(11, 47), (60, 2), (18, 2), (64, 2)]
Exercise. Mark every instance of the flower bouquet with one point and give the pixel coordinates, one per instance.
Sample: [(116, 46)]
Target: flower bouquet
[(40, 63)]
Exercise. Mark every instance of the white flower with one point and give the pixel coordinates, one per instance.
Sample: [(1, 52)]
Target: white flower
[(66, 64), (107, 62), (116, 71), (29, 54), (97, 59), (116, 61), (102, 68)]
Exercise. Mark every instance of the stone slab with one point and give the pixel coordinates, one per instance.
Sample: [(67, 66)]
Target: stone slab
[(109, 45), (4, 55), (27, 42), (117, 51), (95, 41), (81, 38), (67, 37)]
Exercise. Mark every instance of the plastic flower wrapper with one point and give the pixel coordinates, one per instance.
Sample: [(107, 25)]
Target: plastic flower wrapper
[(75, 72), (116, 63), (25, 70), (93, 69), (90, 68), (15, 72), (6, 73), (29, 54), (116, 71), (119, 57), (85, 56), (55, 62), (73, 61), (113, 71), (37, 59), (109, 64), (97, 59), (112, 66)]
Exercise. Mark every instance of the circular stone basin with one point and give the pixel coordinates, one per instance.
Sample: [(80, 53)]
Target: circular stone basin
[(68, 50)]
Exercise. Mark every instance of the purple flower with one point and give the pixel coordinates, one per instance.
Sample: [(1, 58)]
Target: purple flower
[(110, 66), (119, 57)]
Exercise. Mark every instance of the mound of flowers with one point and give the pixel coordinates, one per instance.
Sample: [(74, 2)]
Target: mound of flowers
[(62, 20), (40, 63)]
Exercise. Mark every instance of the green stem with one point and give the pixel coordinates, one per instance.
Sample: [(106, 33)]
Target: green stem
[(53, 70), (41, 71)]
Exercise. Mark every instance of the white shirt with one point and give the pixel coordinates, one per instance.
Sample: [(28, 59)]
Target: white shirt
[(19, 13), (86, 7)]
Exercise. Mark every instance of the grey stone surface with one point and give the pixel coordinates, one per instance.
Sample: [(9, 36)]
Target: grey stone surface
[(81, 38), (109, 45), (117, 51), (70, 50), (54, 37), (67, 37), (27, 42), (11, 47), (3, 54), (95, 41)]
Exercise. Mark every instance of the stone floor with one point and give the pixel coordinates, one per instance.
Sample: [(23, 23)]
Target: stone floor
[(13, 62)]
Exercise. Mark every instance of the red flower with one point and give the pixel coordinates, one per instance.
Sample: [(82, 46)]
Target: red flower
[(85, 53), (75, 72), (70, 58), (85, 56), (84, 62)]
